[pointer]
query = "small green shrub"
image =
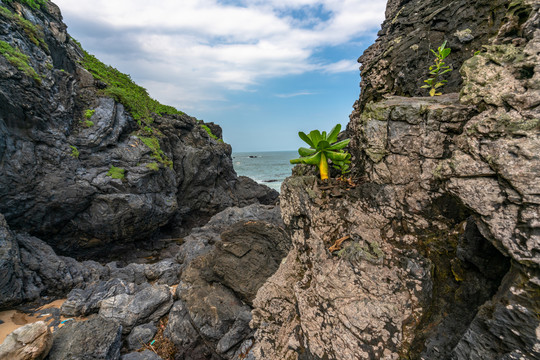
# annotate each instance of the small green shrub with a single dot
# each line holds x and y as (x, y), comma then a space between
(19, 60)
(74, 152)
(152, 143)
(207, 129)
(116, 172)
(153, 166)
(88, 123)
(89, 113)
(433, 83)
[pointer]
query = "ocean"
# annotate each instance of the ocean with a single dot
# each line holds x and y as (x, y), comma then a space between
(269, 168)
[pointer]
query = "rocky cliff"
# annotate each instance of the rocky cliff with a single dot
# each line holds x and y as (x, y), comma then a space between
(439, 254)
(87, 157)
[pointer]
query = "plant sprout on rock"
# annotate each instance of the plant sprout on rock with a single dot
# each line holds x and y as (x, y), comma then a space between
(323, 147)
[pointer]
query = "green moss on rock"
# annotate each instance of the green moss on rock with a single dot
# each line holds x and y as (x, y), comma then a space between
(19, 60)
(116, 172)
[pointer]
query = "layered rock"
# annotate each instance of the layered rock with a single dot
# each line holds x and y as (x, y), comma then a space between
(60, 137)
(439, 258)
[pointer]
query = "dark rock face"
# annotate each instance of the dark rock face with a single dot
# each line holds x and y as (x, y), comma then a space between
(226, 262)
(398, 62)
(97, 338)
(54, 181)
(441, 253)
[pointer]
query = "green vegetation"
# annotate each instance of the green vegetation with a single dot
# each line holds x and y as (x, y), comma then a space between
(74, 152)
(153, 166)
(122, 88)
(88, 123)
(433, 83)
(34, 4)
(136, 100)
(322, 148)
(89, 113)
(19, 60)
(207, 129)
(152, 143)
(116, 172)
(34, 33)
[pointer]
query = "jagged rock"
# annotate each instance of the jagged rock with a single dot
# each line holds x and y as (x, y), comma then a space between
(83, 302)
(71, 201)
(248, 254)
(140, 335)
(30, 342)
(440, 251)
(147, 305)
(225, 264)
(201, 240)
(97, 338)
(11, 281)
(145, 355)
(397, 63)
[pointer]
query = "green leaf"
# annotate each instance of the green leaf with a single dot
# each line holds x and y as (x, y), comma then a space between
(425, 87)
(310, 160)
(306, 138)
(445, 52)
(315, 137)
(332, 137)
(432, 92)
(305, 151)
(322, 145)
(445, 71)
(433, 51)
(337, 156)
(340, 145)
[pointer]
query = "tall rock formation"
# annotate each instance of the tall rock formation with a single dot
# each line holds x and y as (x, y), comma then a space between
(80, 166)
(441, 257)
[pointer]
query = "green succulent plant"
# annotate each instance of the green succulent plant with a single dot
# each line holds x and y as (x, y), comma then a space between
(323, 147)
(436, 70)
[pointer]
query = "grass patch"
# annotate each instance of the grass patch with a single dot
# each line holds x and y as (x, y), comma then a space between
(122, 88)
(116, 172)
(34, 33)
(19, 60)
(153, 166)
(207, 129)
(74, 152)
(152, 142)
(34, 4)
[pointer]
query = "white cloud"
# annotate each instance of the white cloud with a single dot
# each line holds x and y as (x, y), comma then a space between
(187, 51)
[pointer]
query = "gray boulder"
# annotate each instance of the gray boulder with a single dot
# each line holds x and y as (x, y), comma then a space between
(225, 263)
(140, 335)
(97, 338)
(81, 302)
(144, 355)
(30, 342)
(147, 305)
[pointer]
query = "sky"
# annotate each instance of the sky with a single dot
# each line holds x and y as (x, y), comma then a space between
(261, 69)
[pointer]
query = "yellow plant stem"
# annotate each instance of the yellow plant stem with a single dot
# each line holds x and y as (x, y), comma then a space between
(323, 167)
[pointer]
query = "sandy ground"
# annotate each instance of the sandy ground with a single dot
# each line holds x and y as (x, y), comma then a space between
(13, 319)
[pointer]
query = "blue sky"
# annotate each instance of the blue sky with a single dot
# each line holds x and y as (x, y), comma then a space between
(262, 69)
